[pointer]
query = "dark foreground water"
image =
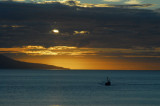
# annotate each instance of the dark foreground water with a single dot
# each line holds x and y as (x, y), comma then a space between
(79, 88)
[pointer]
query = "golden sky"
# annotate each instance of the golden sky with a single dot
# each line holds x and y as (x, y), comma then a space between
(95, 62)
(85, 34)
(88, 58)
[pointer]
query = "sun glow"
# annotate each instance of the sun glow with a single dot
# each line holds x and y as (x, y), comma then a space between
(81, 32)
(56, 31)
(93, 62)
(88, 58)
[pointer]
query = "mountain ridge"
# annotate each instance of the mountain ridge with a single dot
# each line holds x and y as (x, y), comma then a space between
(8, 63)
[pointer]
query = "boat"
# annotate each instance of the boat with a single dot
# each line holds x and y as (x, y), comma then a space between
(108, 83)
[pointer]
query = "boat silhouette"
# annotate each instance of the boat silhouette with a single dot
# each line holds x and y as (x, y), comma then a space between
(108, 83)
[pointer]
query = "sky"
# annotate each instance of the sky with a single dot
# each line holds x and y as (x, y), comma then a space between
(124, 2)
(155, 3)
(93, 34)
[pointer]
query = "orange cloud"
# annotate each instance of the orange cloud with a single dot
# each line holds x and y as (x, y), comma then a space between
(75, 51)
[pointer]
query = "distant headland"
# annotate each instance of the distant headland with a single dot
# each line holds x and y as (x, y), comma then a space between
(8, 63)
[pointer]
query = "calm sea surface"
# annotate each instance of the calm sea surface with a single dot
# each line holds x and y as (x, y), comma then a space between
(79, 88)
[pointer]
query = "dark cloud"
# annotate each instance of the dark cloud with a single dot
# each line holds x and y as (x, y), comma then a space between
(28, 11)
(107, 27)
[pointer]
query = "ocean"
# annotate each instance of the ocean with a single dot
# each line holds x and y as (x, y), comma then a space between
(79, 88)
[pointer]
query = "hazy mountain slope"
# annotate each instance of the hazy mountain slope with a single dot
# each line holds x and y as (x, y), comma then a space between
(7, 63)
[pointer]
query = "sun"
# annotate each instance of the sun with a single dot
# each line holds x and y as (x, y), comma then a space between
(55, 31)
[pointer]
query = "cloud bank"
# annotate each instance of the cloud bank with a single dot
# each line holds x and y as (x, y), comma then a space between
(79, 27)
(133, 2)
(75, 51)
(112, 0)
